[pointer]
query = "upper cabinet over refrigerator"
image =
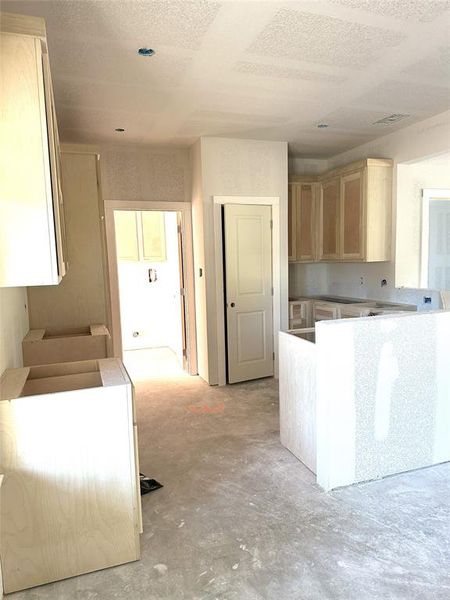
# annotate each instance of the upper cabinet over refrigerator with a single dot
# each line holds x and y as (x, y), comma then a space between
(32, 234)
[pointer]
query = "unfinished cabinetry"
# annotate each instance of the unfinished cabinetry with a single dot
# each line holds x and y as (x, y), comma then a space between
(68, 452)
(299, 314)
(352, 216)
(302, 218)
(43, 347)
(355, 217)
(32, 237)
(351, 220)
(329, 220)
(140, 235)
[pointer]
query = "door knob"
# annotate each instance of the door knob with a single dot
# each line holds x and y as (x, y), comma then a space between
(232, 305)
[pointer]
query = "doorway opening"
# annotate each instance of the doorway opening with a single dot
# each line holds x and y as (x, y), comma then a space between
(152, 300)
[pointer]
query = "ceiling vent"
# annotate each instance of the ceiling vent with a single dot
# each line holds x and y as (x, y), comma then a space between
(391, 119)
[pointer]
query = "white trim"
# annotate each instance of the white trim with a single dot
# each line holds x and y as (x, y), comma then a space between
(428, 194)
(219, 201)
(186, 224)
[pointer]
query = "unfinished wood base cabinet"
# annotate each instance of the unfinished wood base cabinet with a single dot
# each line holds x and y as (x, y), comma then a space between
(43, 346)
(32, 233)
(70, 499)
(351, 219)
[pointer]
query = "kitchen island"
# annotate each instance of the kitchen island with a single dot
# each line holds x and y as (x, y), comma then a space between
(370, 398)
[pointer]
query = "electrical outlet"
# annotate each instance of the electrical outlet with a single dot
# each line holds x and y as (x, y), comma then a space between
(361, 281)
(383, 282)
(427, 299)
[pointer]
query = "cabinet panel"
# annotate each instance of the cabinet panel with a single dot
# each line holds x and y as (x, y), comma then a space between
(352, 216)
(306, 230)
(31, 217)
(292, 222)
(329, 220)
(153, 236)
(126, 235)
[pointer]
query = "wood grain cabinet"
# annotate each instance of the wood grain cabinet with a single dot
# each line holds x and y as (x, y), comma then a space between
(32, 235)
(345, 215)
(302, 215)
(68, 450)
(329, 220)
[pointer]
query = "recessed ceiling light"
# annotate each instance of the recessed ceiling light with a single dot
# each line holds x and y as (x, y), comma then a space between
(119, 129)
(146, 52)
(322, 125)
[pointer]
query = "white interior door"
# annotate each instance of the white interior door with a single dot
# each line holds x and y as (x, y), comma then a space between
(249, 302)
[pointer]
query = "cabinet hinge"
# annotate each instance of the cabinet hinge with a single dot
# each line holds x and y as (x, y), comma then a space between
(182, 292)
(271, 224)
(273, 355)
(272, 291)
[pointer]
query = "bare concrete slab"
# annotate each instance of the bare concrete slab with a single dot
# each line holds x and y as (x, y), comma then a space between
(240, 518)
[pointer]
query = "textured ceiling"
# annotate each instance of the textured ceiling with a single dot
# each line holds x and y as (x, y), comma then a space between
(251, 69)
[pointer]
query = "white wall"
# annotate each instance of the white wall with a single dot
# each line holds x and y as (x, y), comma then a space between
(234, 167)
(139, 172)
(383, 396)
(13, 326)
(152, 310)
(425, 139)
(411, 180)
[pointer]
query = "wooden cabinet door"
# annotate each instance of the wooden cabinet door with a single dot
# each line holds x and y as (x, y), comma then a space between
(55, 169)
(352, 241)
(292, 222)
(153, 236)
(306, 223)
(127, 246)
(329, 220)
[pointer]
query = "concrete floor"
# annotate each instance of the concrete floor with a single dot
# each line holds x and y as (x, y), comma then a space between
(239, 518)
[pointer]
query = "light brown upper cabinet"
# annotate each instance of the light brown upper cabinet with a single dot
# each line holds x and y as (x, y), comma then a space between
(352, 219)
(32, 237)
(302, 213)
(351, 216)
(329, 220)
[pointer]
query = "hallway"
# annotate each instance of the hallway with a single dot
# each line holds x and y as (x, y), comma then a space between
(239, 518)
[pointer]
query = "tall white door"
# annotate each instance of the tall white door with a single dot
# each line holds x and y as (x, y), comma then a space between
(248, 280)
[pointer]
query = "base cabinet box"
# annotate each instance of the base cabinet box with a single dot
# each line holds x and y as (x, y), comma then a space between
(43, 347)
(70, 499)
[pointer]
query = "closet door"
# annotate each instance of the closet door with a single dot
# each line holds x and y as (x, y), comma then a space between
(352, 233)
(329, 220)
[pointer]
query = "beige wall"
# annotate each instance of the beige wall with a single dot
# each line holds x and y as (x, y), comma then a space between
(80, 297)
(151, 173)
(233, 167)
(13, 326)
(199, 261)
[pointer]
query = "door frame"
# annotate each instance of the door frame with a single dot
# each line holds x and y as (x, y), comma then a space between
(274, 203)
(184, 209)
(428, 194)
